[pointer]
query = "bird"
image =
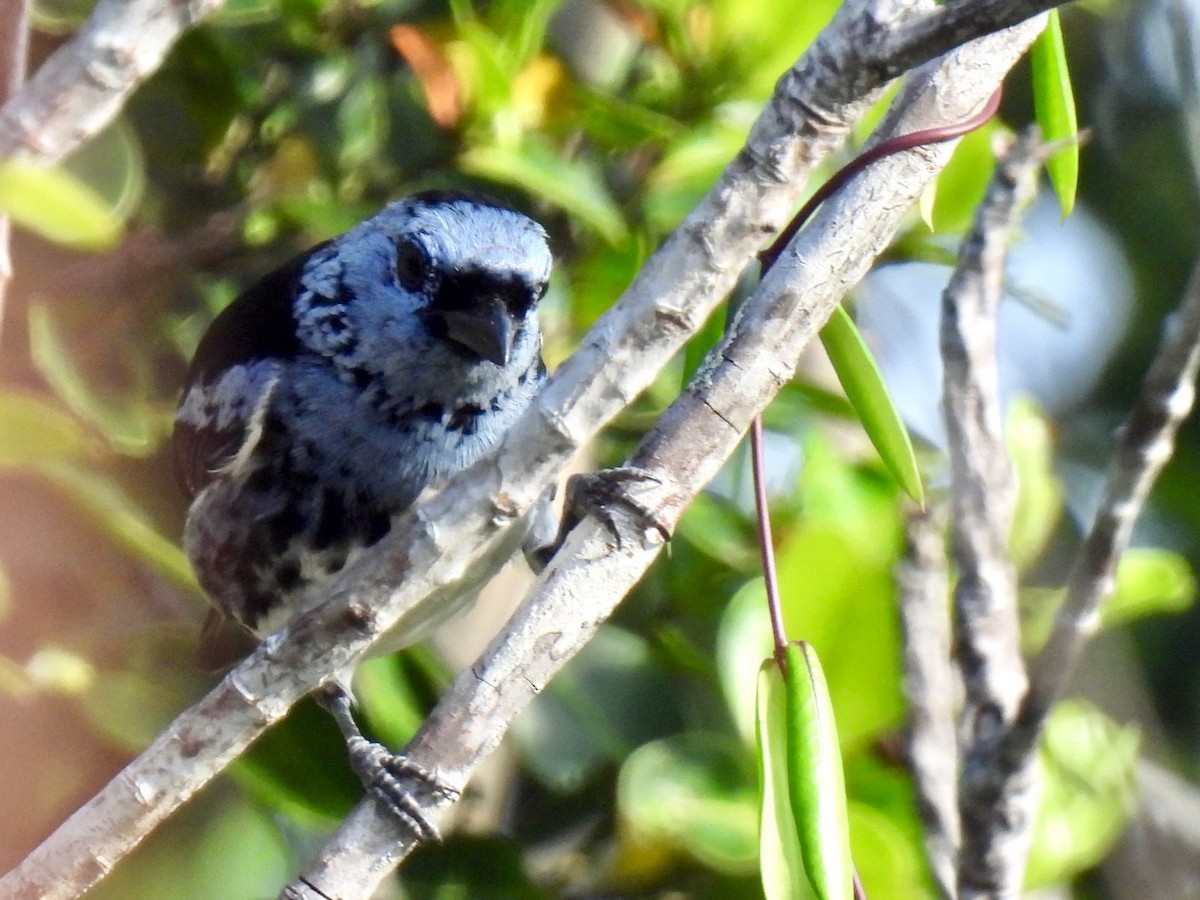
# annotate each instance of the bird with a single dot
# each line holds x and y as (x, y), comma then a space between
(336, 391)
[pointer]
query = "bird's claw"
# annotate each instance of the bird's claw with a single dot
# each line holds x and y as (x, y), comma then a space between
(597, 494)
(395, 781)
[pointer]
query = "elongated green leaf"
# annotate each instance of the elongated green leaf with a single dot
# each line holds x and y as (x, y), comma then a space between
(860, 378)
(693, 791)
(121, 519)
(571, 185)
(132, 425)
(55, 204)
(781, 864)
(1089, 789)
(815, 780)
(33, 431)
(1054, 106)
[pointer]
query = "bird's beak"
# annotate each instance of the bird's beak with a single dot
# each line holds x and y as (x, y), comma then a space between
(488, 330)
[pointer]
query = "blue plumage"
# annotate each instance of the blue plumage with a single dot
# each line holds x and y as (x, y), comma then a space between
(326, 398)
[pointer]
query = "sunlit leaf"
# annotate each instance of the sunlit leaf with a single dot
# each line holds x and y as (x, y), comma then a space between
(384, 693)
(33, 431)
(743, 639)
(719, 530)
(1149, 581)
(1039, 506)
(572, 185)
(693, 790)
(860, 377)
(221, 844)
(816, 783)
(60, 671)
(889, 861)
(926, 202)
(1088, 792)
(781, 862)
(1054, 106)
(56, 205)
(59, 16)
(960, 186)
(240, 13)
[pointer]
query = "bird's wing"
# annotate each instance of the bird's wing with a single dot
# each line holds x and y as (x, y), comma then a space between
(233, 373)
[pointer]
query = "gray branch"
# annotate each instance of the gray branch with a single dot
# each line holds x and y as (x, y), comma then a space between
(14, 50)
(1144, 444)
(84, 85)
(932, 688)
(593, 571)
(995, 810)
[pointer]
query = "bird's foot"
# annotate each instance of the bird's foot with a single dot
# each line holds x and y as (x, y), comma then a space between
(600, 495)
(392, 779)
(397, 782)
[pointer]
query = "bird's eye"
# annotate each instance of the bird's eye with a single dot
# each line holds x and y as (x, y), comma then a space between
(411, 265)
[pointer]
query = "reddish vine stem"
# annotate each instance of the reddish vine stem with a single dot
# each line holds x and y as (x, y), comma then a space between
(767, 259)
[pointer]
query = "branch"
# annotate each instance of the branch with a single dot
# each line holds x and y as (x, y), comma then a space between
(14, 51)
(676, 459)
(84, 85)
(1144, 444)
(995, 808)
(932, 688)
(429, 551)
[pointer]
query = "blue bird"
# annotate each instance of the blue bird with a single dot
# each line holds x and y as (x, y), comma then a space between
(329, 396)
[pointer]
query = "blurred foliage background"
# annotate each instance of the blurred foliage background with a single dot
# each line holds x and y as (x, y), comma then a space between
(279, 123)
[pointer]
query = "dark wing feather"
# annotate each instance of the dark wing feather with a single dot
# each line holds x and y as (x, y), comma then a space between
(258, 325)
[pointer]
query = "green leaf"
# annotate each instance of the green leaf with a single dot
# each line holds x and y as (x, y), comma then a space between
(222, 844)
(385, 694)
(132, 425)
(112, 165)
(781, 862)
(963, 182)
(595, 711)
(1039, 507)
(692, 791)
(121, 519)
(33, 431)
(1054, 106)
(1149, 581)
(57, 205)
(1088, 792)
(718, 530)
(574, 186)
(59, 16)
(816, 784)
(860, 378)
(299, 768)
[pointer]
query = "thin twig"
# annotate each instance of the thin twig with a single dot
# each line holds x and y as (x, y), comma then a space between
(766, 543)
(14, 52)
(591, 572)
(995, 814)
(932, 687)
(1144, 444)
(83, 86)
